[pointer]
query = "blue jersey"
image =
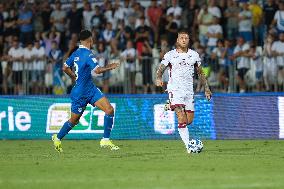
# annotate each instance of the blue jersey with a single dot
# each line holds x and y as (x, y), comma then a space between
(84, 62)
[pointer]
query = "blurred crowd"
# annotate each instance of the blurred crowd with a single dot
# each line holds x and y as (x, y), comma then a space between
(241, 42)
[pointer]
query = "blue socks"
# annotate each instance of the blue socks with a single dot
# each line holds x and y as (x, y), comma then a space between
(65, 129)
(108, 122)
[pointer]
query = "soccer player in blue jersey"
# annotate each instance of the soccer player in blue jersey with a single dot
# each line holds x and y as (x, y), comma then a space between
(85, 65)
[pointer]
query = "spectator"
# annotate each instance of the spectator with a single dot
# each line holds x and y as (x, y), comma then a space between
(56, 57)
(38, 37)
(123, 34)
(25, 21)
(38, 68)
(132, 15)
(142, 34)
(204, 20)
(74, 19)
(98, 20)
(245, 23)
(223, 20)
(171, 30)
(269, 10)
(146, 60)
(154, 13)
(227, 55)
(278, 19)
(108, 34)
(52, 36)
(5, 73)
(189, 17)
(88, 13)
(102, 58)
(37, 19)
(119, 11)
(108, 14)
(10, 24)
(45, 15)
(243, 64)
(231, 13)
(214, 32)
(278, 51)
(176, 11)
(129, 55)
(256, 60)
(28, 67)
(213, 9)
(16, 54)
(218, 54)
(58, 18)
(257, 22)
(270, 64)
(164, 46)
(1, 27)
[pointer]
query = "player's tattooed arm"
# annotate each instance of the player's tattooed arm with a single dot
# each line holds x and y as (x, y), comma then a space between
(160, 72)
(69, 72)
(204, 81)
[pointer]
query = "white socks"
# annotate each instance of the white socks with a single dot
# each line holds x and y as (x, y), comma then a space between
(184, 135)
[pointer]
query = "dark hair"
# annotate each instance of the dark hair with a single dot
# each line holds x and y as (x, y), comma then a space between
(183, 31)
(85, 34)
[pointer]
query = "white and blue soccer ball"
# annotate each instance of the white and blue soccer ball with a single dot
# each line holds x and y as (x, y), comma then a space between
(195, 146)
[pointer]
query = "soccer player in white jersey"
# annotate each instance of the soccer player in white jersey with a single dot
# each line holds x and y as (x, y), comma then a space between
(181, 62)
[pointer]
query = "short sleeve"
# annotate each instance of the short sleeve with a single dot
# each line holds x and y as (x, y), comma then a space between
(166, 60)
(236, 49)
(197, 60)
(246, 47)
(69, 62)
(92, 62)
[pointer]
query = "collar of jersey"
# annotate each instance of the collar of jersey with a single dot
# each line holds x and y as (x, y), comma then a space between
(82, 46)
(183, 53)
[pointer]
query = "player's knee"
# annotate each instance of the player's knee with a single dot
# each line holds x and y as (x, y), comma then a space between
(109, 110)
(182, 119)
(74, 122)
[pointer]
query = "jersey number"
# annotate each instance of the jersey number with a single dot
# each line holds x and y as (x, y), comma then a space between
(76, 69)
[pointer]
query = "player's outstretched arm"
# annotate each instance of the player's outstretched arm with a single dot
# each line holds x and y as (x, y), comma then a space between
(204, 81)
(69, 72)
(111, 66)
(160, 72)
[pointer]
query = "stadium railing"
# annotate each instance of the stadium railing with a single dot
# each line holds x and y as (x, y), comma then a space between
(54, 81)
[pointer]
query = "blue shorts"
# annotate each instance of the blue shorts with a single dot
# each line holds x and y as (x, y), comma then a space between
(78, 105)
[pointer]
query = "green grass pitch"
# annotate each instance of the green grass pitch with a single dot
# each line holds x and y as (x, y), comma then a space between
(157, 164)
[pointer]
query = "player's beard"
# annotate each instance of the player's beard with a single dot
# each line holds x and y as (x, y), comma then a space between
(183, 48)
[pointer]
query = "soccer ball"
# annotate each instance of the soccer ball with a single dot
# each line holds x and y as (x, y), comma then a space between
(195, 146)
(199, 145)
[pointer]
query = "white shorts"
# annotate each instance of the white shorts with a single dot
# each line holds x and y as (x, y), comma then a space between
(180, 98)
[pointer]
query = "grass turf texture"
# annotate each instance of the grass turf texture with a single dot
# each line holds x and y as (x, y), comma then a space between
(142, 164)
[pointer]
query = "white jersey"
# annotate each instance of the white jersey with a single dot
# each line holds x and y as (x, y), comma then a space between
(181, 69)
